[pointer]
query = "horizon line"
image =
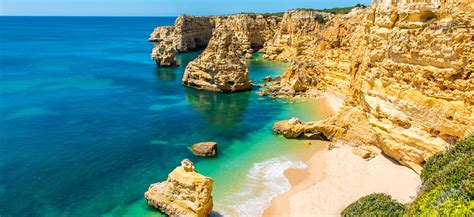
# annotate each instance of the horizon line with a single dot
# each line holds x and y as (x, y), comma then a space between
(88, 16)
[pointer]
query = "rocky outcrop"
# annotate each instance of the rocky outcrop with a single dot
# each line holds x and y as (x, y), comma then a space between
(222, 66)
(205, 149)
(188, 33)
(184, 193)
(294, 128)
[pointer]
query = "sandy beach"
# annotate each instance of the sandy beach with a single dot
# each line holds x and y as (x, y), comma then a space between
(335, 178)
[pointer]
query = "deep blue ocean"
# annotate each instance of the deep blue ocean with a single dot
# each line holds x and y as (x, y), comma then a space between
(88, 121)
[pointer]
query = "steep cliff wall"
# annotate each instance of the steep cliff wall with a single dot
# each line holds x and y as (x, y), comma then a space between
(405, 69)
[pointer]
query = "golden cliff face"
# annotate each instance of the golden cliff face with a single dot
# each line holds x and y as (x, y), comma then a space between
(294, 34)
(405, 69)
(408, 71)
(222, 67)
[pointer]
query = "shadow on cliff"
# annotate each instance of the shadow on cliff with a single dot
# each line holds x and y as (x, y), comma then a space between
(219, 109)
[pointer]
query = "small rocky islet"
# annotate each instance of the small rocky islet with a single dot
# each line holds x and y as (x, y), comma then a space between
(404, 70)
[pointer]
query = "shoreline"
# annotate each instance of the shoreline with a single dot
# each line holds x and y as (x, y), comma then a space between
(329, 184)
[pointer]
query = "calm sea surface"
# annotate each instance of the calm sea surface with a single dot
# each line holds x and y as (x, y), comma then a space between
(88, 122)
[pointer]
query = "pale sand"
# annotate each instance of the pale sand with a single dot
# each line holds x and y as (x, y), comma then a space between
(336, 178)
(328, 104)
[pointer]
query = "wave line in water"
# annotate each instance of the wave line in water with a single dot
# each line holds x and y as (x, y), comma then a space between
(265, 180)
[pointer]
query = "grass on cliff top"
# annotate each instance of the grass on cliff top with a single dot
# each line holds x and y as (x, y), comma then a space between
(344, 10)
(447, 188)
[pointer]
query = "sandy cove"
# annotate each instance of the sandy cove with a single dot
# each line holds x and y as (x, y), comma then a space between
(336, 178)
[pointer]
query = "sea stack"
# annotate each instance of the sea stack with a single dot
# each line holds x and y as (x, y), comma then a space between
(184, 193)
(221, 67)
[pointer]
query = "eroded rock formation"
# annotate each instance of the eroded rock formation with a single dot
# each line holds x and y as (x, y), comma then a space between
(188, 33)
(405, 69)
(184, 193)
(222, 66)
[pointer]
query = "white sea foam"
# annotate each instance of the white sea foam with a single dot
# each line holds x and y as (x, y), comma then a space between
(264, 181)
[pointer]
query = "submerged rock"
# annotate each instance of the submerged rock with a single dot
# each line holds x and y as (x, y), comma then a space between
(184, 193)
(205, 149)
(267, 79)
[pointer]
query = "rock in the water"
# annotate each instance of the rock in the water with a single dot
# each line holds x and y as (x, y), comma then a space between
(205, 149)
(221, 67)
(268, 79)
(184, 193)
(188, 33)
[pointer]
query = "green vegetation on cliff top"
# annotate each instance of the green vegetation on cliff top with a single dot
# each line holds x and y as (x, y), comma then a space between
(447, 189)
(344, 10)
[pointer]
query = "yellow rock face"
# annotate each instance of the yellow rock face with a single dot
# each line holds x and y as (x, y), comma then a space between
(222, 66)
(184, 193)
(404, 69)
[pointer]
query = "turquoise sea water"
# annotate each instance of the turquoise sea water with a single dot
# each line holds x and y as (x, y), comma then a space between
(88, 122)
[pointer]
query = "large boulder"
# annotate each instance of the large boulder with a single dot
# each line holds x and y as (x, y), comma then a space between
(205, 149)
(184, 193)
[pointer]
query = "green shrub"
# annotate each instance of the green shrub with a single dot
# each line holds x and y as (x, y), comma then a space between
(448, 183)
(375, 205)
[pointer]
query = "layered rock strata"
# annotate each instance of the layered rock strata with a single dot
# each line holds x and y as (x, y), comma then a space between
(222, 66)
(188, 33)
(184, 193)
(405, 69)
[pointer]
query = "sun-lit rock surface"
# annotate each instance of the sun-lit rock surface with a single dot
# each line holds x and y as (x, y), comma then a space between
(184, 193)
(205, 149)
(405, 69)
(406, 74)
(222, 66)
(188, 33)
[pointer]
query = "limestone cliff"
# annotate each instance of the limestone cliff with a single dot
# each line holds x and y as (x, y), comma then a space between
(405, 69)
(185, 193)
(188, 33)
(222, 67)
(296, 31)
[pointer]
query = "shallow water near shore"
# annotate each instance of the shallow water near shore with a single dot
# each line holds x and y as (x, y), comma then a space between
(89, 122)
